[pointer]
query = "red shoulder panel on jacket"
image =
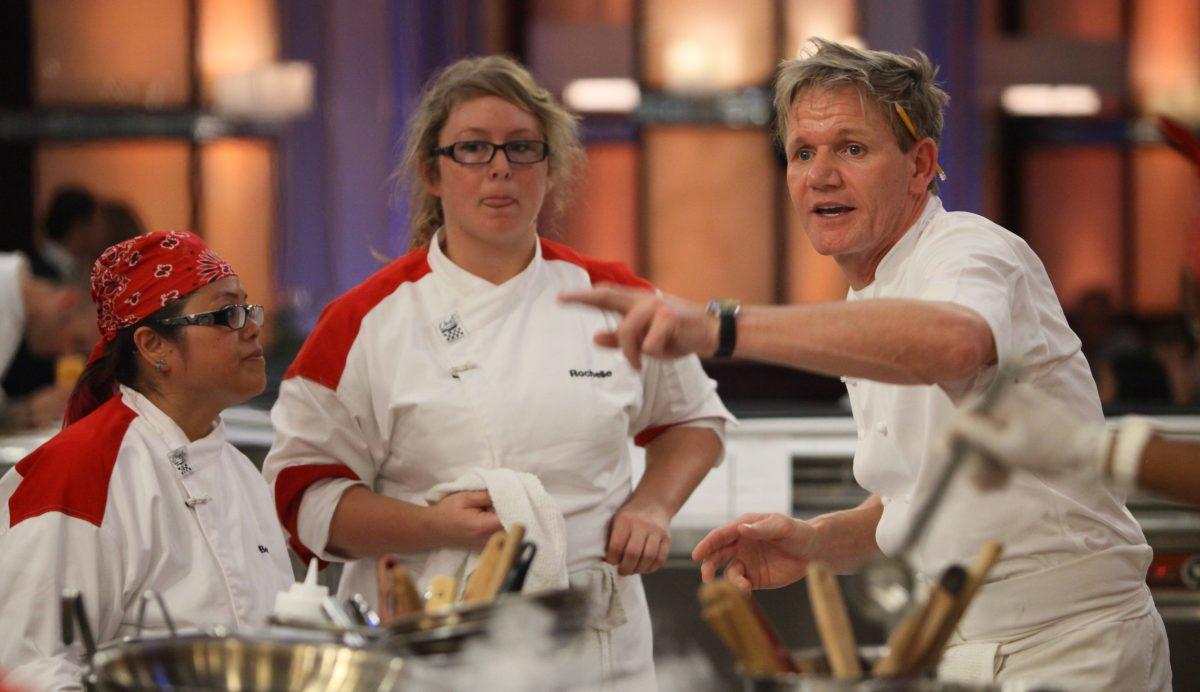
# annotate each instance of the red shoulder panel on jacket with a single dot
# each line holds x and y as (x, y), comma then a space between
(322, 359)
(289, 491)
(600, 271)
(70, 472)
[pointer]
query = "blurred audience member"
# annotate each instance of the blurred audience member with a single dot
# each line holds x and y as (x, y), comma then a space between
(72, 240)
(120, 222)
(1100, 326)
(54, 320)
(1172, 344)
(72, 237)
(1132, 376)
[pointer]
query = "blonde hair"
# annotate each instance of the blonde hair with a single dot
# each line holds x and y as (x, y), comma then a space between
(887, 79)
(494, 75)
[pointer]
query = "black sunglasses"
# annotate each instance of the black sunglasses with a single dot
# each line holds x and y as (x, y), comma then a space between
(232, 316)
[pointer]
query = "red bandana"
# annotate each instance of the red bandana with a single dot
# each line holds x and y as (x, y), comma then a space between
(137, 277)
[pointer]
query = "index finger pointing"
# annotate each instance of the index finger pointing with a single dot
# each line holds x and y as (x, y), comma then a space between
(603, 296)
(716, 539)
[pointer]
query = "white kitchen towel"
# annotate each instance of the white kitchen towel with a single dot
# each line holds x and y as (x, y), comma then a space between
(518, 498)
(969, 662)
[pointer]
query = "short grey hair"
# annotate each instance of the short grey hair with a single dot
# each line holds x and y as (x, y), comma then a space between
(887, 79)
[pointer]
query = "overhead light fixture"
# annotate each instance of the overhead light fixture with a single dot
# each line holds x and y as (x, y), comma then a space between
(1051, 100)
(275, 92)
(602, 95)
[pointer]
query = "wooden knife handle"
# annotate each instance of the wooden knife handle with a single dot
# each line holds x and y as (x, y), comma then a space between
(976, 576)
(504, 561)
(398, 594)
(902, 644)
(833, 622)
(940, 618)
(485, 566)
(441, 593)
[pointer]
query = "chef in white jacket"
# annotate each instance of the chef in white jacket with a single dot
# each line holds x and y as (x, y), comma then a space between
(459, 357)
(141, 491)
(936, 300)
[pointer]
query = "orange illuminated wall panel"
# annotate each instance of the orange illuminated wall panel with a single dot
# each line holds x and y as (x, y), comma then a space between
(836, 20)
(111, 53)
(603, 219)
(708, 45)
(710, 211)
(237, 208)
(149, 175)
(235, 36)
(1164, 57)
(1165, 208)
(1098, 20)
(1072, 217)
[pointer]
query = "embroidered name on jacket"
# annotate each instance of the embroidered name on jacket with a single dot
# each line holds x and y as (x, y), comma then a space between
(591, 373)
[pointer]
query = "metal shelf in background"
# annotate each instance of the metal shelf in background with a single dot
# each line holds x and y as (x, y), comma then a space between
(749, 107)
(90, 124)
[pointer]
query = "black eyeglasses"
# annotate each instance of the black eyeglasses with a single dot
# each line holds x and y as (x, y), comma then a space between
(232, 316)
(476, 153)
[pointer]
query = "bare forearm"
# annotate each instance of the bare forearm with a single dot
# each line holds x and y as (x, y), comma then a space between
(846, 539)
(1172, 469)
(899, 341)
(367, 524)
(676, 462)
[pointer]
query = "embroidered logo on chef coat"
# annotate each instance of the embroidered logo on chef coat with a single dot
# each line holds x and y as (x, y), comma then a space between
(178, 459)
(451, 330)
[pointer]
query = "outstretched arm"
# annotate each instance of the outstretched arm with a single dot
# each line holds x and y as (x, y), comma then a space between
(899, 341)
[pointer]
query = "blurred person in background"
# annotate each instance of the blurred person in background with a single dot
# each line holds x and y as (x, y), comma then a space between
(1173, 345)
(936, 300)
(1133, 377)
(141, 490)
(49, 320)
(72, 237)
(1101, 327)
(120, 222)
(457, 360)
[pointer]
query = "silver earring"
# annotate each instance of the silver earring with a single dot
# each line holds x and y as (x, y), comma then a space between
(160, 364)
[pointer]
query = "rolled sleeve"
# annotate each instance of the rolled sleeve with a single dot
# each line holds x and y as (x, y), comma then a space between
(320, 451)
(677, 392)
(979, 272)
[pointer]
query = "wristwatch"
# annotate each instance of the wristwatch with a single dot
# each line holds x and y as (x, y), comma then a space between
(725, 311)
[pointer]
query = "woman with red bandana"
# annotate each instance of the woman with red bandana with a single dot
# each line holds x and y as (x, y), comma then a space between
(141, 491)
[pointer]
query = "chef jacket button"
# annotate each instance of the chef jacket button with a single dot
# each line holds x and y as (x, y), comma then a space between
(843, 379)
(881, 428)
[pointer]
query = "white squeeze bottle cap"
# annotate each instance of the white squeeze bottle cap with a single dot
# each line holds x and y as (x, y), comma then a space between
(302, 602)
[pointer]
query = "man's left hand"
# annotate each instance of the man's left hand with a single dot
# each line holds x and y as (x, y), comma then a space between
(640, 538)
(652, 324)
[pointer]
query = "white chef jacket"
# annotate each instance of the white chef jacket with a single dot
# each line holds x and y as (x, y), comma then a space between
(1071, 549)
(12, 310)
(102, 508)
(426, 371)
